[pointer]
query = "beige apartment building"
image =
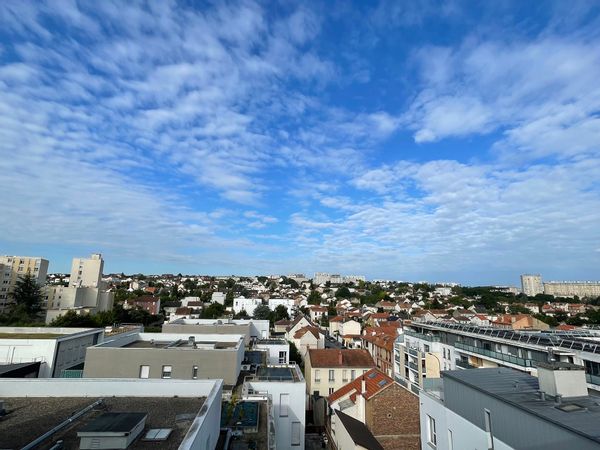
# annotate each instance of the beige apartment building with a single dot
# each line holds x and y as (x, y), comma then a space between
(14, 267)
(327, 370)
(572, 288)
(86, 292)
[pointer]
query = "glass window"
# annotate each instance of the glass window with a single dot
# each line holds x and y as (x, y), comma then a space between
(344, 375)
(331, 375)
(295, 433)
(284, 401)
(431, 435)
(166, 371)
(317, 375)
(144, 371)
(353, 374)
(195, 372)
(331, 390)
(282, 357)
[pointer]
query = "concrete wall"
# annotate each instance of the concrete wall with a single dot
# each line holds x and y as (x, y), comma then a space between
(110, 361)
(296, 410)
(54, 354)
(243, 329)
(343, 441)
(273, 352)
(258, 328)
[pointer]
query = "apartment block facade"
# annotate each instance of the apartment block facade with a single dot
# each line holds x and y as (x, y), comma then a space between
(14, 267)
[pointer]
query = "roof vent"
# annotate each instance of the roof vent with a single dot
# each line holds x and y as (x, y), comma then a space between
(116, 430)
(157, 434)
(561, 378)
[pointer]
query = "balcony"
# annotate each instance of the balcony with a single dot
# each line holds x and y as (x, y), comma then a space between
(413, 352)
(413, 366)
(423, 336)
(496, 355)
(464, 364)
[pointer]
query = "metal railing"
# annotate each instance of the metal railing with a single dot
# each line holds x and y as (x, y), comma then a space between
(496, 355)
(592, 379)
(413, 351)
(71, 373)
(464, 364)
(425, 337)
(563, 339)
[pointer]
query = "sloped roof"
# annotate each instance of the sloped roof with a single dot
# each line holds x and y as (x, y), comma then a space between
(330, 357)
(302, 331)
(375, 381)
(359, 432)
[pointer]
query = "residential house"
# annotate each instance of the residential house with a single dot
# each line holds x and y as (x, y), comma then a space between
(316, 313)
(327, 370)
(307, 338)
(349, 333)
(146, 302)
(519, 322)
(389, 411)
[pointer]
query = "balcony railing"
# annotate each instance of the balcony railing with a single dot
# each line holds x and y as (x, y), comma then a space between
(426, 337)
(495, 355)
(413, 351)
(464, 365)
(413, 366)
(71, 374)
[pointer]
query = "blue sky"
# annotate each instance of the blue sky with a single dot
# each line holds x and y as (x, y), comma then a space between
(440, 141)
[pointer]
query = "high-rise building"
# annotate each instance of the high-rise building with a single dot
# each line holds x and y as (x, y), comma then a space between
(532, 285)
(86, 292)
(14, 267)
(87, 272)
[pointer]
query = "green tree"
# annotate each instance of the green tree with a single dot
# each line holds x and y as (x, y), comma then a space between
(295, 354)
(314, 298)
(229, 298)
(213, 311)
(262, 312)
(27, 295)
(343, 292)
(280, 313)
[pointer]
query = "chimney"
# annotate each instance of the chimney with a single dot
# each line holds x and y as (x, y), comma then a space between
(562, 380)
(340, 359)
(363, 385)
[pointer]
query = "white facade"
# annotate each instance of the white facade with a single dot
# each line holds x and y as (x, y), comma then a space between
(289, 304)
(56, 348)
(531, 285)
(572, 288)
(449, 430)
(278, 350)
(246, 304)
(218, 297)
(289, 406)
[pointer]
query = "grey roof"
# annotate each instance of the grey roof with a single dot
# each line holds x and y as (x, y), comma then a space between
(359, 432)
(6, 368)
(31, 417)
(522, 391)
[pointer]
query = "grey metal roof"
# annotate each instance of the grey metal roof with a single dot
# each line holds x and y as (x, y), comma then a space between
(522, 391)
(114, 422)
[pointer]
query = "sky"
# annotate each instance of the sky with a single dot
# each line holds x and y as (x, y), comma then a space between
(439, 141)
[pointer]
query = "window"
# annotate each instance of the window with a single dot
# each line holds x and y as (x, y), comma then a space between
(450, 440)
(295, 433)
(331, 390)
(353, 374)
(166, 371)
(317, 376)
(195, 372)
(284, 401)
(331, 375)
(316, 393)
(488, 428)
(144, 371)
(344, 375)
(282, 357)
(431, 436)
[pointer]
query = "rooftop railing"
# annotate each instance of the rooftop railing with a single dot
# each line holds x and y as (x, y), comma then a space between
(504, 357)
(426, 337)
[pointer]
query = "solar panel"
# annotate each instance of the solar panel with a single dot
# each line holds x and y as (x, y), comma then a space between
(382, 383)
(372, 375)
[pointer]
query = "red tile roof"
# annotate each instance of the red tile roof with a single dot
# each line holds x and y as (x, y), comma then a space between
(333, 357)
(375, 381)
(302, 331)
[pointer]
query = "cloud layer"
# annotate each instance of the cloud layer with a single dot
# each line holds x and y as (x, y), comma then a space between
(251, 138)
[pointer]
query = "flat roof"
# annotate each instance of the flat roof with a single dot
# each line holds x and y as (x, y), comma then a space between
(30, 335)
(180, 344)
(283, 372)
(43, 332)
(28, 418)
(500, 383)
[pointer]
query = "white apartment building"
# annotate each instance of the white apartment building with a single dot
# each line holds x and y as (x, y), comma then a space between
(277, 350)
(288, 303)
(285, 388)
(14, 267)
(218, 297)
(57, 349)
(429, 348)
(322, 278)
(246, 304)
(531, 285)
(581, 289)
(504, 409)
